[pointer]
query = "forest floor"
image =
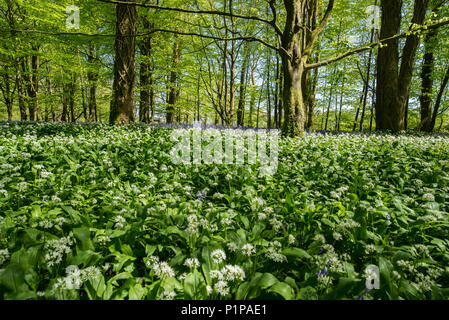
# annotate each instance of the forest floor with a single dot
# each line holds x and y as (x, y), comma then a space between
(102, 212)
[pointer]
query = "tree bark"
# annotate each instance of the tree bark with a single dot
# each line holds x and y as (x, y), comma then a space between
(439, 98)
(30, 66)
(122, 110)
(393, 84)
(173, 85)
(242, 90)
(20, 93)
(296, 50)
(145, 46)
(92, 77)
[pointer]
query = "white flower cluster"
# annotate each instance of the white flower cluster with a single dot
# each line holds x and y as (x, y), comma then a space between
(119, 222)
(232, 246)
(218, 256)
(194, 223)
(406, 266)
(161, 269)
(103, 240)
(276, 224)
(248, 249)
(192, 263)
(75, 277)
(257, 203)
(274, 252)
(4, 256)
(56, 249)
(324, 282)
(167, 295)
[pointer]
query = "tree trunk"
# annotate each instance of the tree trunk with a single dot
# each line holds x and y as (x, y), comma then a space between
(8, 95)
(31, 76)
(20, 94)
(122, 110)
(294, 108)
(242, 90)
(297, 44)
(71, 97)
(173, 82)
(252, 103)
(438, 100)
(65, 114)
(393, 84)
(145, 72)
(268, 91)
(92, 76)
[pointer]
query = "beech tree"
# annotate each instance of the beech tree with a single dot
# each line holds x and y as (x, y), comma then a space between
(122, 105)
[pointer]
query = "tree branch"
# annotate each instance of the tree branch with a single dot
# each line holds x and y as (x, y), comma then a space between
(242, 38)
(211, 12)
(375, 44)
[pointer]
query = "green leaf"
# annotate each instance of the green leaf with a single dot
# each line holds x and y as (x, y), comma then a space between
(296, 253)
(193, 283)
(283, 289)
(83, 235)
(137, 292)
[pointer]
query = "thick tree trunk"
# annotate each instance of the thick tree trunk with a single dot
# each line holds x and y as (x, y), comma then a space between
(122, 105)
(297, 44)
(393, 84)
(294, 107)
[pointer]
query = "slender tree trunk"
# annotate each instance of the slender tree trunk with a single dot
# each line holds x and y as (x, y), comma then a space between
(92, 76)
(439, 98)
(276, 95)
(242, 90)
(280, 100)
(31, 76)
(268, 91)
(20, 94)
(331, 92)
(122, 105)
(145, 72)
(8, 95)
(173, 82)
(252, 103)
(71, 97)
(65, 94)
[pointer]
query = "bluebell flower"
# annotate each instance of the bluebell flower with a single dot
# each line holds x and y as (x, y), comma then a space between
(322, 272)
(201, 196)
